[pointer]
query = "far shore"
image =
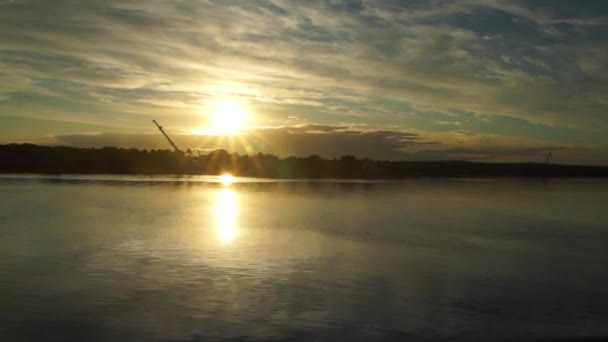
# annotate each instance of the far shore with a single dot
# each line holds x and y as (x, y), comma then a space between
(53, 160)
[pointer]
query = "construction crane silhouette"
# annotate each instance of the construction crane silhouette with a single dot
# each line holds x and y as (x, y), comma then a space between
(160, 128)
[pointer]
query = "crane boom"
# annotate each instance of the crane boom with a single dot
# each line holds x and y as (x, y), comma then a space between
(160, 128)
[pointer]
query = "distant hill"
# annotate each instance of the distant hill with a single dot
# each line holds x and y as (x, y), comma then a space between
(27, 158)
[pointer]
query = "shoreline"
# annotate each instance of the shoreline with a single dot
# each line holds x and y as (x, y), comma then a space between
(48, 160)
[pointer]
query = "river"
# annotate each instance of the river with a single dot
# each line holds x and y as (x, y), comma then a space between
(125, 258)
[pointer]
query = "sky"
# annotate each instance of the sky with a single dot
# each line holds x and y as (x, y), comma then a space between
(481, 80)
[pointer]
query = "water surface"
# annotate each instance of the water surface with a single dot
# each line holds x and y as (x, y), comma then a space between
(109, 258)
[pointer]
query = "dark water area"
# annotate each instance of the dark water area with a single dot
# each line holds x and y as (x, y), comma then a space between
(110, 258)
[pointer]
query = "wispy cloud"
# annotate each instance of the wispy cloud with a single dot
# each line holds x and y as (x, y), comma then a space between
(386, 63)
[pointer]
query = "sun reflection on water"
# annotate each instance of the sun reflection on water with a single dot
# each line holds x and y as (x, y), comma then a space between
(226, 179)
(226, 212)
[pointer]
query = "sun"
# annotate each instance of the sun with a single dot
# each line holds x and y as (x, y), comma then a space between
(227, 117)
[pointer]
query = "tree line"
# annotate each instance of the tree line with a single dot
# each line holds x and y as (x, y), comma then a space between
(28, 158)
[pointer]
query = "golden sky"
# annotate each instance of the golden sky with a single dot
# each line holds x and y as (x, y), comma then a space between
(426, 79)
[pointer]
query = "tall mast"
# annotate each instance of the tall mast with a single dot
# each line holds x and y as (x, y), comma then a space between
(160, 128)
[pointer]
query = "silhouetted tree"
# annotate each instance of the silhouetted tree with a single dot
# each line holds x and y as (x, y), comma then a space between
(27, 158)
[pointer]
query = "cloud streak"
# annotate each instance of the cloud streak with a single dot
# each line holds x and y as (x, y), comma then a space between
(386, 63)
(336, 141)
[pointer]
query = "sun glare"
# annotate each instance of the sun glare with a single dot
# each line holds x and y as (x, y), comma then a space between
(227, 117)
(226, 179)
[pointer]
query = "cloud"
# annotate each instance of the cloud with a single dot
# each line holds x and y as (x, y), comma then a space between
(335, 141)
(327, 141)
(326, 61)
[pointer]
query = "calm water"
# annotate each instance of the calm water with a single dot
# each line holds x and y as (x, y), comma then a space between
(104, 258)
